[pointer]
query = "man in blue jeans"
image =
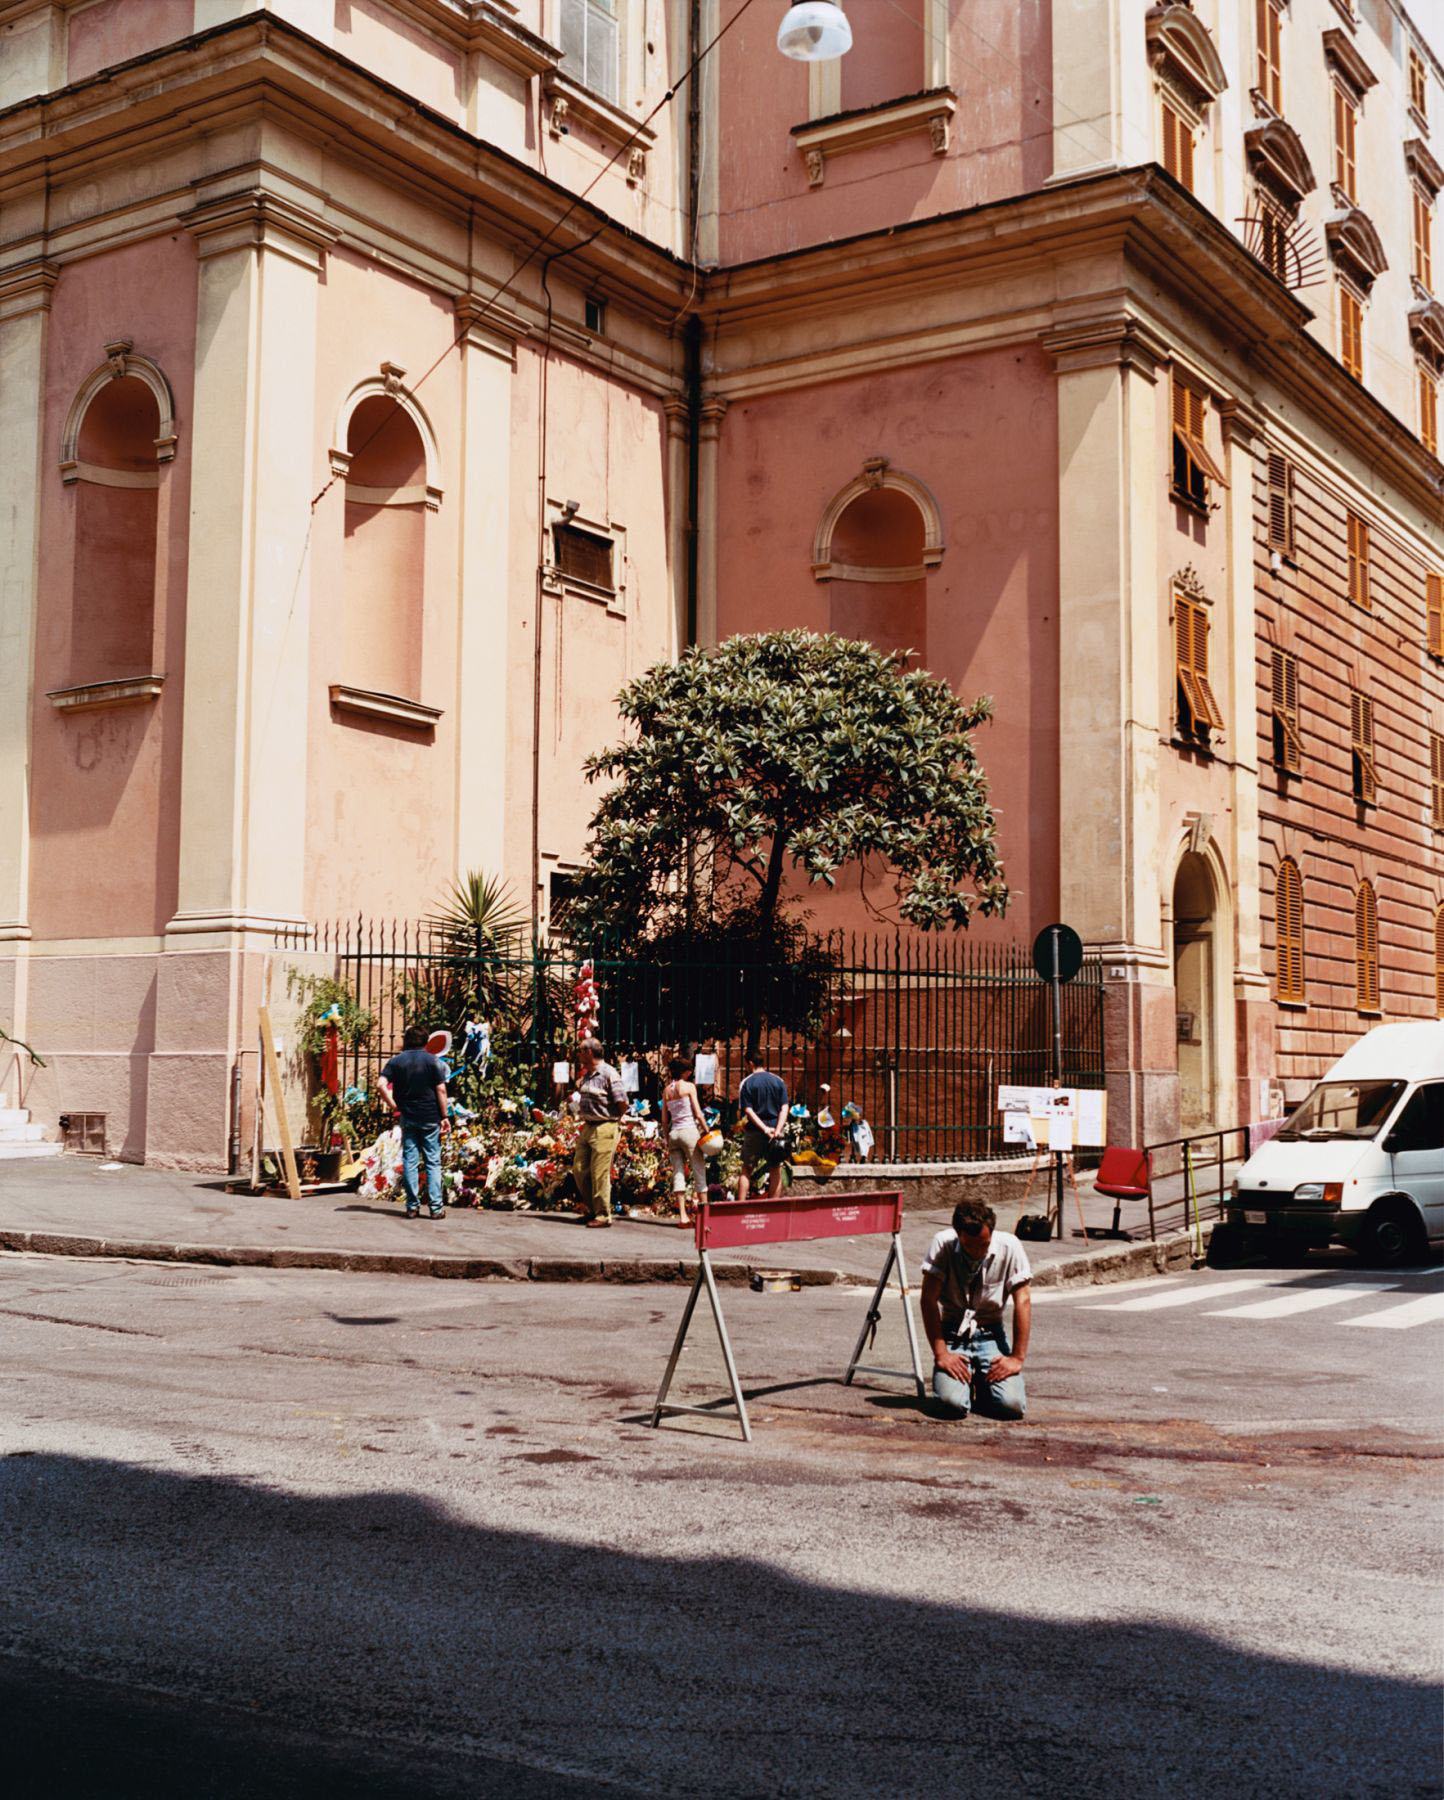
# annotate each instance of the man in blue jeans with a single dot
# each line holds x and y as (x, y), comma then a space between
(969, 1275)
(413, 1084)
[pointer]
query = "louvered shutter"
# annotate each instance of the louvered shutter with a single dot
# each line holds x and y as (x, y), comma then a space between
(1361, 732)
(1434, 602)
(1436, 780)
(1286, 711)
(1289, 922)
(1366, 949)
(1358, 561)
(1212, 712)
(1439, 962)
(1281, 503)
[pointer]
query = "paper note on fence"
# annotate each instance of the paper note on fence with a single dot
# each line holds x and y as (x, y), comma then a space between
(704, 1071)
(1060, 1131)
(1090, 1117)
(561, 1072)
(631, 1078)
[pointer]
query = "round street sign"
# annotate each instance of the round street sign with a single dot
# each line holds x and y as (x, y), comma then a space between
(1070, 952)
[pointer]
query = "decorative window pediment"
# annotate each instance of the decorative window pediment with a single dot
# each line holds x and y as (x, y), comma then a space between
(1277, 154)
(1426, 328)
(1422, 166)
(1356, 246)
(1183, 54)
(1347, 64)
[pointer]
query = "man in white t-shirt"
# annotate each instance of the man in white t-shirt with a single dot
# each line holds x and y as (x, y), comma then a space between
(969, 1275)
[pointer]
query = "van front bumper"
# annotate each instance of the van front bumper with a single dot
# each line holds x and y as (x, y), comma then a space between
(1305, 1225)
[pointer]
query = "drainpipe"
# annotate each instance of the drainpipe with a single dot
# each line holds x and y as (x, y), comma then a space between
(692, 329)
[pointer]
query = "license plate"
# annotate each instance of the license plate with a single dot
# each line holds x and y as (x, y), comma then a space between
(1255, 1218)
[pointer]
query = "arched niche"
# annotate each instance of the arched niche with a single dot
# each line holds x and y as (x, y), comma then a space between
(875, 545)
(121, 364)
(119, 432)
(1201, 924)
(389, 497)
(387, 408)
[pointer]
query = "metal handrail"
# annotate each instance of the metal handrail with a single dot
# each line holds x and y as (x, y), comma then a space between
(1190, 1166)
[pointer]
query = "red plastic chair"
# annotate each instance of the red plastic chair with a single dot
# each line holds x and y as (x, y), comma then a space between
(1124, 1175)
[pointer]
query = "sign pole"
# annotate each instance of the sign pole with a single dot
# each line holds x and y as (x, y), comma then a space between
(1055, 933)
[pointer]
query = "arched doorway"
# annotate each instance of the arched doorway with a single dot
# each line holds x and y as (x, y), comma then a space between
(1193, 987)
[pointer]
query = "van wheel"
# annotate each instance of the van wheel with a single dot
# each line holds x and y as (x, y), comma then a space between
(1395, 1234)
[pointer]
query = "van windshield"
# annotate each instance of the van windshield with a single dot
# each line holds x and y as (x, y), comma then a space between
(1344, 1109)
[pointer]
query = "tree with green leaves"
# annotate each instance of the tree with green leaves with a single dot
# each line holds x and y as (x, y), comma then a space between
(789, 754)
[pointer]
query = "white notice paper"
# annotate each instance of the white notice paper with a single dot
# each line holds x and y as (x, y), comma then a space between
(1060, 1131)
(631, 1081)
(561, 1072)
(704, 1071)
(1018, 1129)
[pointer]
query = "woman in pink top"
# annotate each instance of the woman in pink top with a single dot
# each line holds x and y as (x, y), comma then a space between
(682, 1125)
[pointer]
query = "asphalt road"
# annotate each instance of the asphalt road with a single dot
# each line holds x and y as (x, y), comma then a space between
(292, 1533)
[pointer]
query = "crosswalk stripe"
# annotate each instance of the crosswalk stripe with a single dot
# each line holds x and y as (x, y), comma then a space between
(1188, 1296)
(1112, 1287)
(1302, 1300)
(1400, 1318)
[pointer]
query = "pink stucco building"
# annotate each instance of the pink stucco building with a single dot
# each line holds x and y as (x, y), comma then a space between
(382, 382)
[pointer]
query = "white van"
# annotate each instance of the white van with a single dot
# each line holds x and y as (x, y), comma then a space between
(1360, 1162)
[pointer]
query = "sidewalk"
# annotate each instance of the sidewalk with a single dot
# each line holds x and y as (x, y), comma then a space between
(72, 1206)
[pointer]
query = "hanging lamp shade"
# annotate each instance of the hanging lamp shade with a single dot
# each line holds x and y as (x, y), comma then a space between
(815, 31)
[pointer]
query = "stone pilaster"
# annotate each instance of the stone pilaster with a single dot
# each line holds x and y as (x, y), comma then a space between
(714, 408)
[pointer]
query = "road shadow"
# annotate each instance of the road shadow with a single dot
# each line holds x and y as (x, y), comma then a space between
(247, 1613)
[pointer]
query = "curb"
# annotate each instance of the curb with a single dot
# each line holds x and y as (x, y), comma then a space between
(1094, 1268)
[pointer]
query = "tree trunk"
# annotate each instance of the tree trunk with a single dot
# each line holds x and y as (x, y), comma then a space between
(766, 913)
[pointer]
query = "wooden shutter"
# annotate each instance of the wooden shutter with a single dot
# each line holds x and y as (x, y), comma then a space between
(1423, 244)
(1439, 962)
(584, 556)
(1358, 561)
(1351, 334)
(1428, 412)
(1418, 83)
(1345, 121)
(1361, 735)
(1281, 504)
(1177, 146)
(1289, 923)
(1288, 747)
(1434, 605)
(1436, 780)
(1366, 949)
(1190, 644)
(1270, 63)
(1190, 410)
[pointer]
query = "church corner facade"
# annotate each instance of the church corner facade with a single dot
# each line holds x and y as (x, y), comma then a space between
(382, 386)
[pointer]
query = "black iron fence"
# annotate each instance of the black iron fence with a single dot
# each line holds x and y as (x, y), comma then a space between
(918, 1033)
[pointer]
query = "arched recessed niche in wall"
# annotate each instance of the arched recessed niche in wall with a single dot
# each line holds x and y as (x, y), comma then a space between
(875, 546)
(385, 451)
(118, 437)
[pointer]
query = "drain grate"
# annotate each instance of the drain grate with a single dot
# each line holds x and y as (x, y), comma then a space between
(179, 1281)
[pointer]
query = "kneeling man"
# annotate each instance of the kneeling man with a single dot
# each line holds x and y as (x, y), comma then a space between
(969, 1275)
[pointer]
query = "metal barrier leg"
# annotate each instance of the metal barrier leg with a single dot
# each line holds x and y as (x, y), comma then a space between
(704, 1279)
(874, 1313)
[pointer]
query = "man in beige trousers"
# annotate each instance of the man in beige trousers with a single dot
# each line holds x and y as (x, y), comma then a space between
(600, 1101)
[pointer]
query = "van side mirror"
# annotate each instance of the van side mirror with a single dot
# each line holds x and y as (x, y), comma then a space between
(1391, 1144)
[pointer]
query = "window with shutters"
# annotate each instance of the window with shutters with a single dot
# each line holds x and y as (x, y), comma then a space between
(583, 556)
(1428, 412)
(1269, 26)
(1198, 709)
(1351, 332)
(1281, 504)
(1288, 748)
(1289, 924)
(1346, 128)
(1423, 240)
(1358, 536)
(1361, 743)
(1436, 781)
(1274, 228)
(1194, 467)
(1418, 86)
(590, 42)
(1177, 146)
(1366, 949)
(1434, 611)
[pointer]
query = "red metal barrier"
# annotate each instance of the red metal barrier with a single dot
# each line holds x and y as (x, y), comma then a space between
(733, 1224)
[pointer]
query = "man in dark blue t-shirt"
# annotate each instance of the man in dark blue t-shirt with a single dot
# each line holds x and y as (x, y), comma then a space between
(763, 1099)
(413, 1084)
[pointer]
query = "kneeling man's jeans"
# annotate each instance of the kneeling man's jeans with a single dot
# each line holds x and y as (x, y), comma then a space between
(993, 1399)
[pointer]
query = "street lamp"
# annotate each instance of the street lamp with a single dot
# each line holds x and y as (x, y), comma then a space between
(815, 31)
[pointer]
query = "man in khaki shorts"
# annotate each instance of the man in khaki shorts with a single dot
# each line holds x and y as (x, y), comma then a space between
(600, 1101)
